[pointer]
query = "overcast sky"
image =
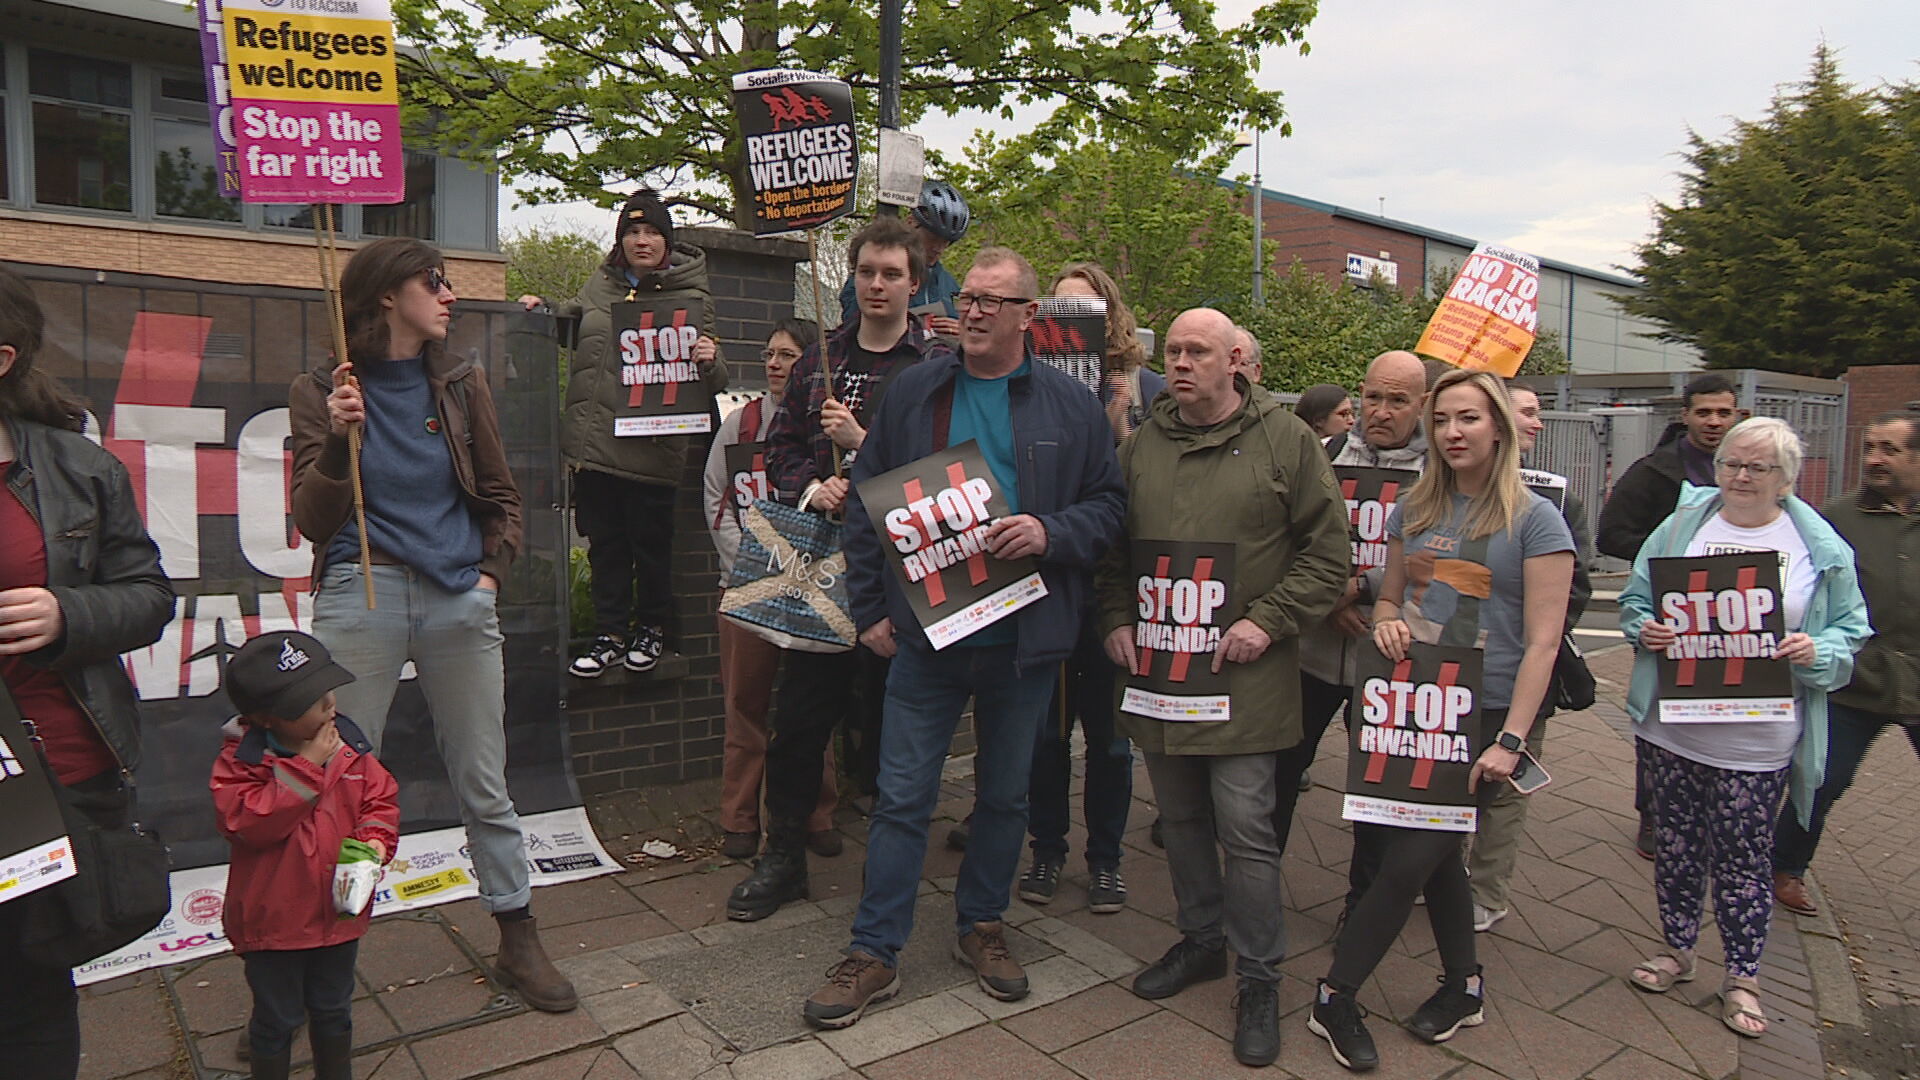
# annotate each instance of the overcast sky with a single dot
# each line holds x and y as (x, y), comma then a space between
(1552, 127)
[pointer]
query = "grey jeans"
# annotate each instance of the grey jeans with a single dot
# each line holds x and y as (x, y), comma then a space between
(1230, 798)
(455, 644)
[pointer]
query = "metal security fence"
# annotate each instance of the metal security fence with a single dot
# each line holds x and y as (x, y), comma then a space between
(1574, 444)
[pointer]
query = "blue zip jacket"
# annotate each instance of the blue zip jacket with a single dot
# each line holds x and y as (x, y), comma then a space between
(1069, 479)
(1836, 620)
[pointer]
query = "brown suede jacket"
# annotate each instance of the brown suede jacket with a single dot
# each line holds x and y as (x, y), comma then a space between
(323, 494)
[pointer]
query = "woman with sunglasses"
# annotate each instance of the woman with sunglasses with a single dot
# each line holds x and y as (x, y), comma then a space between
(1716, 787)
(443, 525)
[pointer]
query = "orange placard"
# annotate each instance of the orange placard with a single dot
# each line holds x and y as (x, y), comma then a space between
(1490, 314)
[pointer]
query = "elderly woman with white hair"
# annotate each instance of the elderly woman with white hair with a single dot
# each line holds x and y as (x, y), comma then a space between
(1716, 786)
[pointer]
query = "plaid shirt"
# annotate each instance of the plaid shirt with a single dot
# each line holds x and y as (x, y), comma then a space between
(798, 450)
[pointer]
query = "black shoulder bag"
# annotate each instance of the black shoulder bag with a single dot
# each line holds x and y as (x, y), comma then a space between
(119, 889)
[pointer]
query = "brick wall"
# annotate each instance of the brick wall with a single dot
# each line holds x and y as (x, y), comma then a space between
(1321, 242)
(205, 254)
(1871, 391)
(666, 726)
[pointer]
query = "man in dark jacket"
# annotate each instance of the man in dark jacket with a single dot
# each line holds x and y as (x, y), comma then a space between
(1647, 494)
(1050, 450)
(1221, 461)
(1882, 522)
(816, 432)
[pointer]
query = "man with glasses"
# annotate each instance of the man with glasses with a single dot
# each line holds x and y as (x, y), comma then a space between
(1646, 495)
(1882, 522)
(1050, 449)
(816, 434)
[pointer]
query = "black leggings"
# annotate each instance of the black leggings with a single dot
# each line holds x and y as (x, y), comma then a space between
(1408, 862)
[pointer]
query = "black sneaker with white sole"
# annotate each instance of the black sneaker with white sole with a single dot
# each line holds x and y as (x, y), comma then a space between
(1340, 1020)
(1454, 1006)
(644, 650)
(1106, 890)
(600, 657)
(1041, 881)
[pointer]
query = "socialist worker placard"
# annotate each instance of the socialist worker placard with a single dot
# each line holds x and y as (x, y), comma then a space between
(1183, 602)
(1070, 333)
(1728, 617)
(932, 516)
(802, 158)
(1413, 736)
(662, 390)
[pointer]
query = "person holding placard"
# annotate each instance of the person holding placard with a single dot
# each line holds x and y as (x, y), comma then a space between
(1236, 539)
(80, 583)
(736, 475)
(1086, 684)
(624, 485)
(1474, 559)
(1715, 786)
(1048, 449)
(443, 527)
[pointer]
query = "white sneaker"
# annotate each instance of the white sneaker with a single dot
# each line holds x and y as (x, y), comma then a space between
(1485, 917)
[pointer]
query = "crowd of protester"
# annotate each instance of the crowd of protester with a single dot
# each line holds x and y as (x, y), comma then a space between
(1198, 450)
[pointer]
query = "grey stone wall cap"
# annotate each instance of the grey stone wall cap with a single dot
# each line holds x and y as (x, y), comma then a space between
(713, 239)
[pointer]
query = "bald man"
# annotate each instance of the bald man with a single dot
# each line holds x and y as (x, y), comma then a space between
(1250, 362)
(1387, 436)
(1217, 462)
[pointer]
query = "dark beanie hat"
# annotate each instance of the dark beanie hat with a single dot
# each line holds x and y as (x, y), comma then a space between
(645, 206)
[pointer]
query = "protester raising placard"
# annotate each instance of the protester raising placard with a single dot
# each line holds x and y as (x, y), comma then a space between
(932, 516)
(1488, 319)
(667, 391)
(1727, 618)
(802, 159)
(1183, 602)
(315, 111)
(1413, 737)
(1370, 495)
(1070, 333)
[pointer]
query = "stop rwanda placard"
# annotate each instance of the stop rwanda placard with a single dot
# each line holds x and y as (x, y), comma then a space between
(1370, 495)
(1721, 667)
(932, 516)
(664, 390)
(1413, 735)
(1183, 602)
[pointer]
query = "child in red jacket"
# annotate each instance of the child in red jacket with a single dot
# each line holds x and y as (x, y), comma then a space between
(294, 782)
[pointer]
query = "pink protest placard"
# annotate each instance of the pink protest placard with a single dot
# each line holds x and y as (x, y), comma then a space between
(316, 105)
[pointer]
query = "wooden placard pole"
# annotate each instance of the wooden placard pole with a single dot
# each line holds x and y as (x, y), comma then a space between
(820, 320)
(337, 316)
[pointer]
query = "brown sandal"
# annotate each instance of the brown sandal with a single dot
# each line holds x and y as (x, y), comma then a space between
(1655, 977)
(1732, 1012)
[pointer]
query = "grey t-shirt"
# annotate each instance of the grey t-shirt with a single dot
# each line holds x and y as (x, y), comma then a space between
(1470, 591)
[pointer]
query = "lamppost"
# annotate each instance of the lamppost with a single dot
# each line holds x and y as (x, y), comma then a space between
(1252, 138)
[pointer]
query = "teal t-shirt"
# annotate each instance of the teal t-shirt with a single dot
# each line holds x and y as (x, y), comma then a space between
(981, 413)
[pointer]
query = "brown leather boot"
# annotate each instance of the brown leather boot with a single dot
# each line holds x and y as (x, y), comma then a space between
(523, 966)
(1791, 891)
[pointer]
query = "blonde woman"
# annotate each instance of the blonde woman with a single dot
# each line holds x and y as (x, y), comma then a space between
(1129, 385)
(1473, 559)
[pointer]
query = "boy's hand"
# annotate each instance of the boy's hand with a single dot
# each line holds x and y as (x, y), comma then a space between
(321, 748)
(378, 847)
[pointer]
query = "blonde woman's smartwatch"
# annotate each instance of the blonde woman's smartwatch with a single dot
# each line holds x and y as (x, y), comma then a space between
(1510, 742)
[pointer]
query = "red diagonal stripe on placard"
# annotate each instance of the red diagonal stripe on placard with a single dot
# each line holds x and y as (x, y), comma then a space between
(936, 589)
(1377, 761)
(1683, 673)
(638, 395)
(1423, 768)
(1348, 487)
(1144, 658)
(1734, 672)
(670, 392)
(977, 562)
(1389, 492)
(1177, 671)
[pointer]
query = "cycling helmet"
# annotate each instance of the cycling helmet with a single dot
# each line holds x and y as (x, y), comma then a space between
(942, 211)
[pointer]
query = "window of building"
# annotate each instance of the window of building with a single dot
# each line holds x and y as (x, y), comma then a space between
(414, 217)
(82, 131)
(186, 177)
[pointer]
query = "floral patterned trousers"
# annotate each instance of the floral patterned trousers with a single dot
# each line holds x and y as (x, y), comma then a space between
(1718, 823)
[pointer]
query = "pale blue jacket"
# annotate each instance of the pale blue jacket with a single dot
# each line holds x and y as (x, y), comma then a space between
(1836, 620)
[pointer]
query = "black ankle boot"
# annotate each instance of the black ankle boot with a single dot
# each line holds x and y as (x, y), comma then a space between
(332, 1055)
(779, 877)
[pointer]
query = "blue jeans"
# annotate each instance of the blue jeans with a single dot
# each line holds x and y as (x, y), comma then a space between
(1850, 732)
(455, 644)
(1086, 692)
(926, 692)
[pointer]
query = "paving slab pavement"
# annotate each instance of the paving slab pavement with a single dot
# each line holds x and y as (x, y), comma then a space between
(671, 989)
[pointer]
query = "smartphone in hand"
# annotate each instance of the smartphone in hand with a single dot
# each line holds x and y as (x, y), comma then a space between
(1528, 777)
